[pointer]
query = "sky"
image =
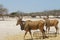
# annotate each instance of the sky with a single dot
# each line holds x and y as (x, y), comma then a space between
(30, 5)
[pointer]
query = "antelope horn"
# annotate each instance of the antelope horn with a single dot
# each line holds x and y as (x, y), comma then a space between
(18, 17)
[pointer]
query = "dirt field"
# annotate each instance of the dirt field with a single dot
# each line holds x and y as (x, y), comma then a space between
(20, 37)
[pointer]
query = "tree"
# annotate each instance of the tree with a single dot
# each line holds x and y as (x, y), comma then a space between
(3, 11)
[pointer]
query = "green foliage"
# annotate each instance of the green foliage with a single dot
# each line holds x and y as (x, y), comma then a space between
(13, 13)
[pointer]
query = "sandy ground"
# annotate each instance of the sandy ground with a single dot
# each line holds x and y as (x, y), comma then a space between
(9, 31)
(21, 37)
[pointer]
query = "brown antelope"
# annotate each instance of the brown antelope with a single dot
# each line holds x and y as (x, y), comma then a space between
(50, 23)
(31, 25)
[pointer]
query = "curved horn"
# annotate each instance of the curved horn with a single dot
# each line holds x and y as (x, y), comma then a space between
(18, 17)
(47, 17)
